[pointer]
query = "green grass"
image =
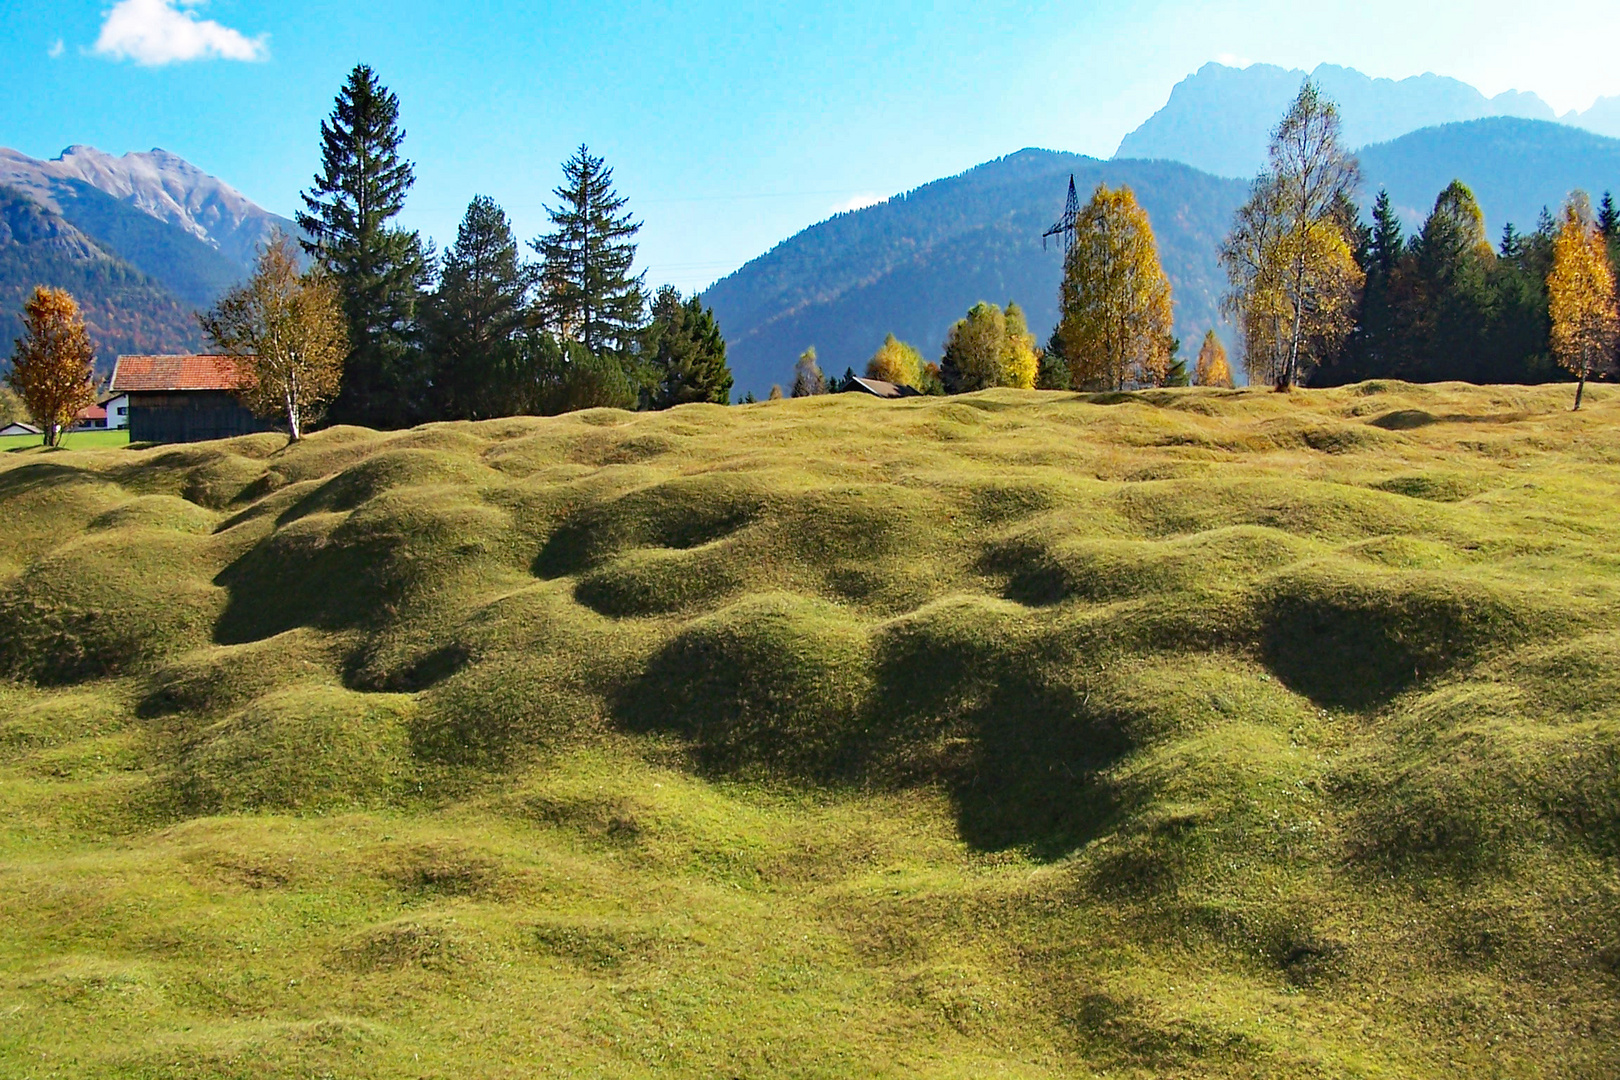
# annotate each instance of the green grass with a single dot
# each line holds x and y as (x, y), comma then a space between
(72, 440)
(1183, 733)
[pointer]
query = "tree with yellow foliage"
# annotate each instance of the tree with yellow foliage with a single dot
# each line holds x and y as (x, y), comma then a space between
(288, 330)
(1114, 303)
(1580, 295)
(990, 347)
(896, 362)
(1294, 277)
(1212, 369)
(52, 365)
(1021, 361)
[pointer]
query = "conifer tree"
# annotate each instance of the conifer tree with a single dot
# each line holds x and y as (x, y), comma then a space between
(477, 318)
(52, 365)
(588, 294)
(688, 352)
(381, 271)
(1581, 296)
(1114, 307)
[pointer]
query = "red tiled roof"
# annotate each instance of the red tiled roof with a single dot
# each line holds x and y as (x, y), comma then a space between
(92, 412)
(175, 373)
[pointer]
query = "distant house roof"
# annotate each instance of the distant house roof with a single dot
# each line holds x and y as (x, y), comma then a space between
(879, 388)
(92, 412)
(169, 373)
(17, 427)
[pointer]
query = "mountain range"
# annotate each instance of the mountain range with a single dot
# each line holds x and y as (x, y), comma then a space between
(146, 239)
(1219, 118)
(142, 241)
(914, 264)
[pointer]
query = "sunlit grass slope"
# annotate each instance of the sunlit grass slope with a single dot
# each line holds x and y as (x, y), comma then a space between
(1190, 733)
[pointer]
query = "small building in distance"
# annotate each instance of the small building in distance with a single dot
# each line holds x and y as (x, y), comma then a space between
(90, 418)
(879, 388)
(117, 406)
(18, 427)
(183, 398)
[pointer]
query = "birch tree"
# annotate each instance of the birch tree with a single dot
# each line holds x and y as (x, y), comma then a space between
(288, 333)
(1580, 294)
(1294, 278)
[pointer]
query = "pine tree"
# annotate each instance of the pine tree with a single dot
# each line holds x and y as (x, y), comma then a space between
(588, 294)
(1608, 219)
(381, 271)
(688, 352)
(477, 318)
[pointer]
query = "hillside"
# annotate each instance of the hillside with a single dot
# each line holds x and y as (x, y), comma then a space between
(1187, 733)
(125, 310)
(148, 239)
(916, 263)
(1515, 167)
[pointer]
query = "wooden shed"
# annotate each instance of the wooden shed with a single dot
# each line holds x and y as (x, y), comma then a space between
(183, 398)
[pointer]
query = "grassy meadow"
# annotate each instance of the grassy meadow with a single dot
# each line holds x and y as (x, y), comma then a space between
(1182, 733)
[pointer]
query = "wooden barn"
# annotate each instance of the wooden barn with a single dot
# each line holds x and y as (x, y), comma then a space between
(183, 398)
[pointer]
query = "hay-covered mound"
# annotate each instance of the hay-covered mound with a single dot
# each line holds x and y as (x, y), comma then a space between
(1190, 733)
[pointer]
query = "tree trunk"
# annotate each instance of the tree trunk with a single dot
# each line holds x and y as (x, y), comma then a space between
(1580, 388)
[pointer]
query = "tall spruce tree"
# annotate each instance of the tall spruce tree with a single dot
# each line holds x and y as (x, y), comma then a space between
(381, 271)
(477, 318)
(588, 294)
(688, 353)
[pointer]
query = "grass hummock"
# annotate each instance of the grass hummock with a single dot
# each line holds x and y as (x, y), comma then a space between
(1176, 733)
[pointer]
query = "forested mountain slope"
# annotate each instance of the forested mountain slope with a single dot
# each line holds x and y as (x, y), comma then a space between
(1515, 168)
(125, 310)
(914, 264)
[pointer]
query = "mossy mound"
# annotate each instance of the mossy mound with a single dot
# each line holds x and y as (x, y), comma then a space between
(1182, 732)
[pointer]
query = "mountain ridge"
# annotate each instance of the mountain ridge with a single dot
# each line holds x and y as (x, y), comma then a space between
(1219, 118)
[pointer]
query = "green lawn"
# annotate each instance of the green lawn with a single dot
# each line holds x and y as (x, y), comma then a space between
(1174, 734)
(72, 440)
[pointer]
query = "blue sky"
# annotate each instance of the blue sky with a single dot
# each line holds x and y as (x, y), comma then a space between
(730, 127)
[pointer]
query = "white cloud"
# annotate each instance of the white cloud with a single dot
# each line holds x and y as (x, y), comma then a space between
(55, 51)
(857, 202)
(155, 32)
(1233, 60)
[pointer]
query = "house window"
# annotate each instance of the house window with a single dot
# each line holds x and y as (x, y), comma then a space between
(123, 410)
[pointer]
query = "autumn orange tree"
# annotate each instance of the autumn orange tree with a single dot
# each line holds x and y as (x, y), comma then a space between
(1114, 303)
(52, 365)
(287, 330)
(1212, 369)
(1580, 295)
